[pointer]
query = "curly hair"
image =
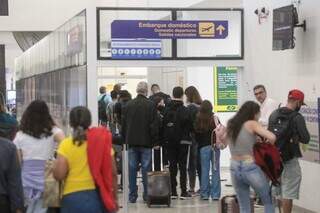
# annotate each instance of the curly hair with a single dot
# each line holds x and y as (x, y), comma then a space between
(36, 120)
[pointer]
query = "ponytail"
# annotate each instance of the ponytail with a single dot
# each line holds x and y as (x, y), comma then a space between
(80, 121)
(79, 135)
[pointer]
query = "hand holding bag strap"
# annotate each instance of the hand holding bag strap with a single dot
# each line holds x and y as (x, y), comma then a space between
(53, 189)
(213, 122)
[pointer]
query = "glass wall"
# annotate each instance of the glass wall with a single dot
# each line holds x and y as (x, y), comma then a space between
(61, 90)
(54, 70)
(64, 47)
(228, 47)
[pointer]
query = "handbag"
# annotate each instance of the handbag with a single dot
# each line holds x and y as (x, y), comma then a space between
(52, 193)
(220, 133)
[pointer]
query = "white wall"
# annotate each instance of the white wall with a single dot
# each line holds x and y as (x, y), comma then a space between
(219, 4)
(12, 50)
(281, 71)
(202, 79)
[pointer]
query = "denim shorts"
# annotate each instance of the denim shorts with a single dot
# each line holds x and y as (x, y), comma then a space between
(290, 180)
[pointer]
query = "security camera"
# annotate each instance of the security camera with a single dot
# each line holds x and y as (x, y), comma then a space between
(262, 13)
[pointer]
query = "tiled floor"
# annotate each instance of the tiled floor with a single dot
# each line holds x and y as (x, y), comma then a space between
(194, 205)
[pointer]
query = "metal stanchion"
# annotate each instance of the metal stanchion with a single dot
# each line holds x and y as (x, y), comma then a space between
(125, 176)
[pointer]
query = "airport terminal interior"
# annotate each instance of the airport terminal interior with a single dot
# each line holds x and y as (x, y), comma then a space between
(64, 52)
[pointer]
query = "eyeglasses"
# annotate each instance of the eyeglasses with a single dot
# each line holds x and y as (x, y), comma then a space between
(258, 93)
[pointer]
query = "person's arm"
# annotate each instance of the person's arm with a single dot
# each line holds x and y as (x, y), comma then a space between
(61, 168)
(58, 137)
(123, 118)
(17, 142)
(154, 125)
(259, 130)
(303, 133)
(15, 190)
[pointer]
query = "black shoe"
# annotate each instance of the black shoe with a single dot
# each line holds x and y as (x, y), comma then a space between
(174, 195)
(185, 196)
(259, 203)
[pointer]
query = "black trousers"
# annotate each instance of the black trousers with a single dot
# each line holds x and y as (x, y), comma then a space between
(4, 204)
(194, 165)
(178, 160)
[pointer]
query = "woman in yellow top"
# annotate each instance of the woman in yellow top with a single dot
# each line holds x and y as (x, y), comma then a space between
(79, 193)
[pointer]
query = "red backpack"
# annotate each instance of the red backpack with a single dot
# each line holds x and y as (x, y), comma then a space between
(267, 157)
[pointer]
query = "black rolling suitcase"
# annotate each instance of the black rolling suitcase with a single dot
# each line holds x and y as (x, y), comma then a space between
(159, 185)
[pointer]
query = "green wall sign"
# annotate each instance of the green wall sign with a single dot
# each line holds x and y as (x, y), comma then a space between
(225, 89)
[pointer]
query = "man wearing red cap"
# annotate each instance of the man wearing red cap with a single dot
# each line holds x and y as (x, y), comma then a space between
(290, 128)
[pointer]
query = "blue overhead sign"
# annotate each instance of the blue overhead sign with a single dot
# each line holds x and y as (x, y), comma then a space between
(135, 49)
(134, 29)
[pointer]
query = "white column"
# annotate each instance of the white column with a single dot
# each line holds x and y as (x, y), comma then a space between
(92, 87)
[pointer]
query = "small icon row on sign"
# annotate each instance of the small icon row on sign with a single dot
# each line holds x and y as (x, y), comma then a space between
(136, 51)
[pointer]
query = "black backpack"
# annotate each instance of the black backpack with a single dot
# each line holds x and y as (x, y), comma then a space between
(102, 109)
(171, 126)
(282, 126)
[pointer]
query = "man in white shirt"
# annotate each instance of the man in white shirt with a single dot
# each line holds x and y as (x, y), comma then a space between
(267, 105)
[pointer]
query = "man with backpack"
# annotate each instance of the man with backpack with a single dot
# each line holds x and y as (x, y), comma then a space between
(103, 100)
(111, 116)
(177, 124)
(289, 126)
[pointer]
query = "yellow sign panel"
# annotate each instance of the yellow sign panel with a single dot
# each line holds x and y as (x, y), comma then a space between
(206, 29)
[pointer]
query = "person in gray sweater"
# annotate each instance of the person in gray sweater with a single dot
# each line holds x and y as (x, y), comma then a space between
(11, 192)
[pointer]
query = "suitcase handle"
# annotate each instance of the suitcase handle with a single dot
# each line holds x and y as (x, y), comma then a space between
(161, 162)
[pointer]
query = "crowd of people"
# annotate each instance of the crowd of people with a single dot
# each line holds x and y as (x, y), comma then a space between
(89, 161)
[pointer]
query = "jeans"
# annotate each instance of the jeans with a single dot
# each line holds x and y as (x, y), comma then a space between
(246, 174)
(178, 157)
(82, 202)
(36, 206)
(138, 155)
(210, 157)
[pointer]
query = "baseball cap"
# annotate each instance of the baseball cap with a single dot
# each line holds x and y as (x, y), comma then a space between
(296, 94)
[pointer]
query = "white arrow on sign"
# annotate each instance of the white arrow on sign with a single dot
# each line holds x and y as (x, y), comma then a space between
(221, 28)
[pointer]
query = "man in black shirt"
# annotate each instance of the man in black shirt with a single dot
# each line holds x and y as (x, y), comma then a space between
(11, 192)
(140, 129)
(155, 89)
(290, 149)
(177, 126)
